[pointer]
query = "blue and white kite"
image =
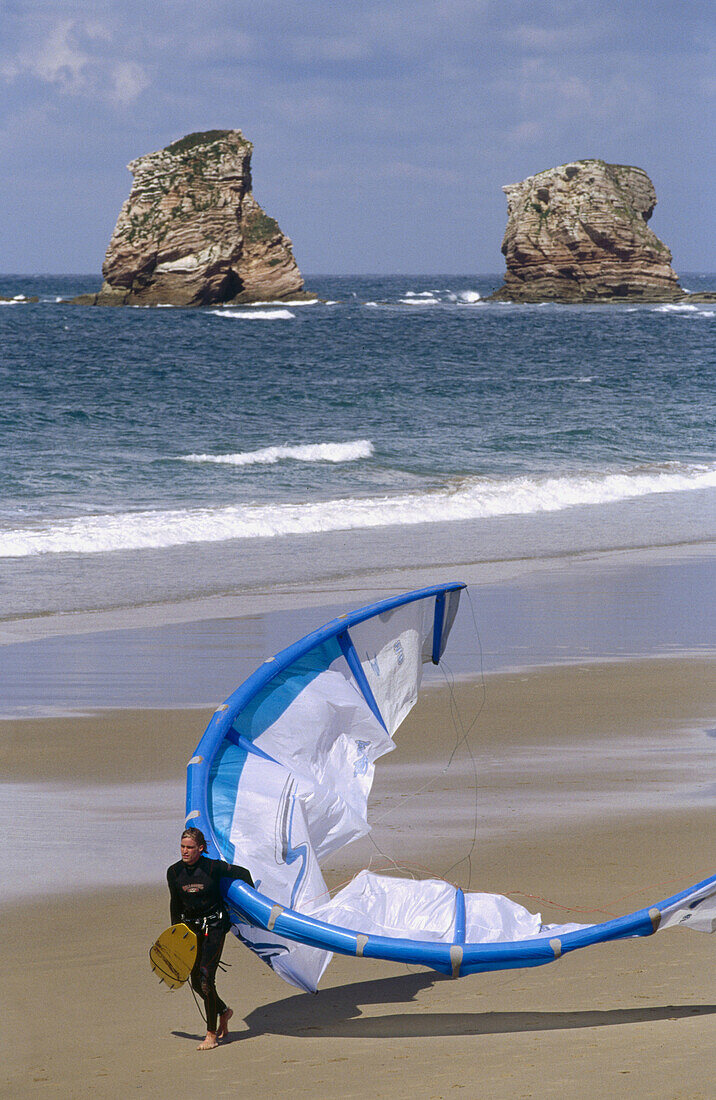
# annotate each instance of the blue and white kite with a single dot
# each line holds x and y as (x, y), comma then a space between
(281, 778)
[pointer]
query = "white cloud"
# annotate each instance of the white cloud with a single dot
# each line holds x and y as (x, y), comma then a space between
(72, 58)
(58, 59)
(127, 81)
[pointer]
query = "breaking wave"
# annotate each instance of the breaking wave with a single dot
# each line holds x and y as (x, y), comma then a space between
(255, 314)
(308, 452)
(274, 304)
(439, 297)
(468, 499)
(684, 307)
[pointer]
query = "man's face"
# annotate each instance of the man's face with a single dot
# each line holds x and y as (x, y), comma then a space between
(190, 850)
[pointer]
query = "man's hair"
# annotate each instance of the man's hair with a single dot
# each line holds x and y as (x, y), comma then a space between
(197, 836)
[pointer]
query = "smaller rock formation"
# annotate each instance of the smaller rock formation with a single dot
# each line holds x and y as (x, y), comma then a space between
(192, 234)
(579, 233)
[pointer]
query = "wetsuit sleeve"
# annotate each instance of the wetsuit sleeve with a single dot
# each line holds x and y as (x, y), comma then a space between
(227, 870)
(174, 900)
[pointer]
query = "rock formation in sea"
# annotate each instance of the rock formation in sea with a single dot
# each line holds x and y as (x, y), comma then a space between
(579, 233)
(192, 234)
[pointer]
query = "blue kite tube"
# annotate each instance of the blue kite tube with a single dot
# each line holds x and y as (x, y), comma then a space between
(457, 959)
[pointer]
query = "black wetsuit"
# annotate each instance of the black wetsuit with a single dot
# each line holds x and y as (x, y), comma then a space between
(196, 899)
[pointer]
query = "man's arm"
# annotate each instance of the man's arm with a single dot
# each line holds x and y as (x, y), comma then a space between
(174, 901)
(234, 872)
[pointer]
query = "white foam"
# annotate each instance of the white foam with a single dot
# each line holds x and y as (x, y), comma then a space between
(469, 499)
(437, 297)
(307, 452)
(275, 304)
(684, 307)
(561, 378)
(255, 314)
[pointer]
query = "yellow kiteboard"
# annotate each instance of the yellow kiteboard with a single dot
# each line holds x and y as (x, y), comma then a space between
(173, 955)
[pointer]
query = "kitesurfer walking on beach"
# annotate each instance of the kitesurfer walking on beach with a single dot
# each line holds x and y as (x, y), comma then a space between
(196, 899)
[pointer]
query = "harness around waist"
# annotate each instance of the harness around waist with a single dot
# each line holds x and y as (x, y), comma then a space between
(210, 920)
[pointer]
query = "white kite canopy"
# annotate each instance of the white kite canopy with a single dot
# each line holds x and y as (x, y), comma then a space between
(281, 780)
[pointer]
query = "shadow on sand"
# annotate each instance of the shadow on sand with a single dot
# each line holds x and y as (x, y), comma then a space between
(337, 1013)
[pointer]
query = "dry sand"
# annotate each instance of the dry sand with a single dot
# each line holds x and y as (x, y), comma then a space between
(83, 1016)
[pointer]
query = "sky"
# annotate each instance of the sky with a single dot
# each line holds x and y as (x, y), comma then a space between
(383, 131)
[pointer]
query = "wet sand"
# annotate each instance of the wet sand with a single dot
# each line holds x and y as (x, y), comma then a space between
(593, 799)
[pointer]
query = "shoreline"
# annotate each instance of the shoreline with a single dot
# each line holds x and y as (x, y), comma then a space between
(64, 746)
(363, 586)
(586, 608)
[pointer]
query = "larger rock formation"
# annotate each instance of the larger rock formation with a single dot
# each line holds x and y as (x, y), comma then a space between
(579, 233)
(192, 234)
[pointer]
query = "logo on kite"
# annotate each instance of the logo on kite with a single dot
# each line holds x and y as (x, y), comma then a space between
(361, 765)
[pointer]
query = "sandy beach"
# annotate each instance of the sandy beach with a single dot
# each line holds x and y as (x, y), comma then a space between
(592, 800)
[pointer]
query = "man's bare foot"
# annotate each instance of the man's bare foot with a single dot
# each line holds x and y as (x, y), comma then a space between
(210, 1041)
(224, 1023)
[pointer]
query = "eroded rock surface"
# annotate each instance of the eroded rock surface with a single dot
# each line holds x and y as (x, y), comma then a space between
(579, 233)
(192, 234)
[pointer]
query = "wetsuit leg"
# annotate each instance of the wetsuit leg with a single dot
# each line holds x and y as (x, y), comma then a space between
(203, 975)
(195, 976)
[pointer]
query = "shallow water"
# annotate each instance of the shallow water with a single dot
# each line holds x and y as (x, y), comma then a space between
(570, 611)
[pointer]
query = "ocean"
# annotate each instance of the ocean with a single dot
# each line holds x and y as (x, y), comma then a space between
(154, 455)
